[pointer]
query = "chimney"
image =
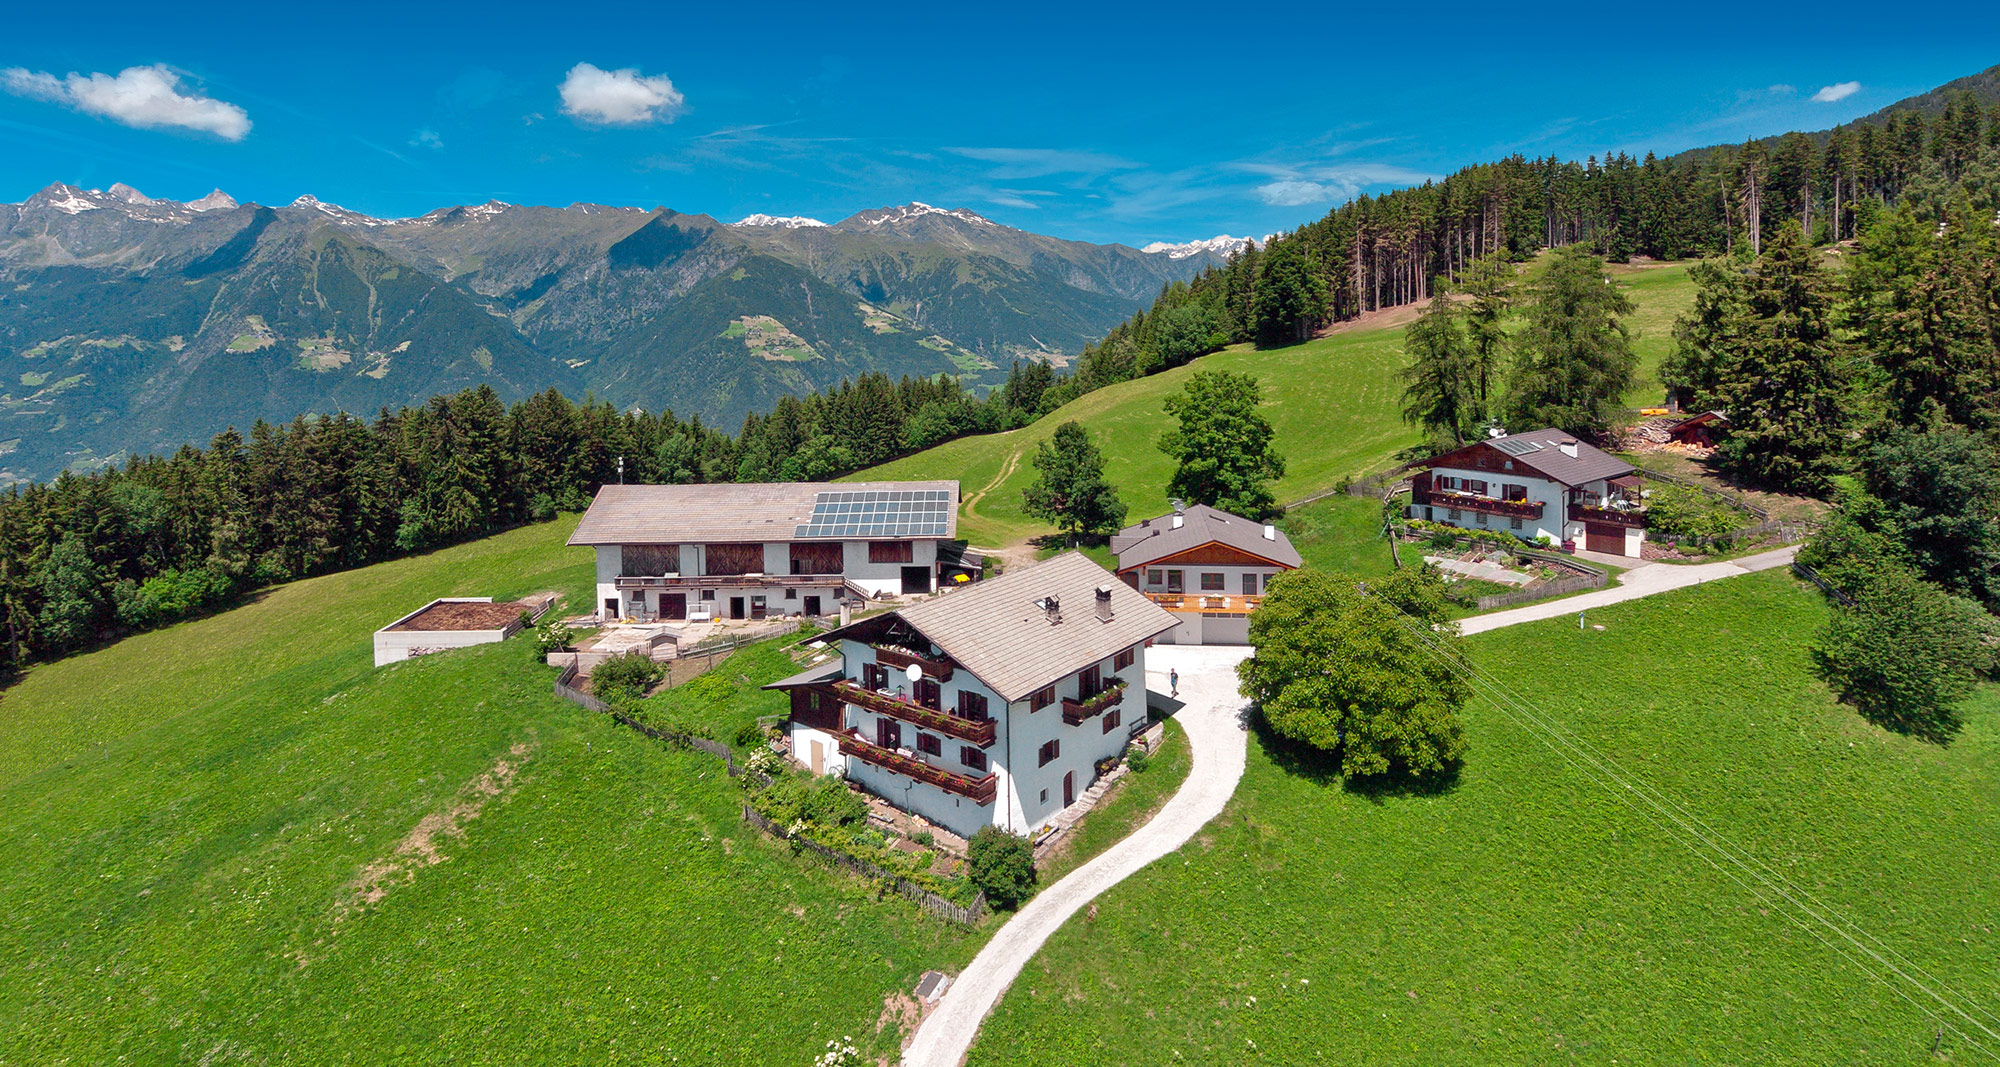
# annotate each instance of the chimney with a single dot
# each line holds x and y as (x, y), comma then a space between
(1270, 532)
(1568, 448)
(1103, 603)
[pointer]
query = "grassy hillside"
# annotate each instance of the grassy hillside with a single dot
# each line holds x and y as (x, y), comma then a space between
(1335, 403)
(1531, 916)
(194, 825)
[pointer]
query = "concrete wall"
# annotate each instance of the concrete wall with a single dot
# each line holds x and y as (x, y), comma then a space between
(394, 646)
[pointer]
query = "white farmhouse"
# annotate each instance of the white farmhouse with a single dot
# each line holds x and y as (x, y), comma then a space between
(751, 550)
(1541, 484)
(991, 705)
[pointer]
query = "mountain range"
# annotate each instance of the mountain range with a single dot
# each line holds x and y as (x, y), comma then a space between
(130, 324)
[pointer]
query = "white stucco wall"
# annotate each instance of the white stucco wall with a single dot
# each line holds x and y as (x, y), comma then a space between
(1021, 783)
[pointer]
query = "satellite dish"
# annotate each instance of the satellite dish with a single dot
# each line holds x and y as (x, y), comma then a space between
(914, 673)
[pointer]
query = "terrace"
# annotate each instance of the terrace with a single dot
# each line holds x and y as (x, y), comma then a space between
(1210, 604)
(1617, 516)
(977, 731)
(978, 790)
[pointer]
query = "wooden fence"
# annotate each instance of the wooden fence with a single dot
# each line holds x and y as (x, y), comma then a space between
(577, 696)
(927, 900)
(1825, 586)
(1561, 587)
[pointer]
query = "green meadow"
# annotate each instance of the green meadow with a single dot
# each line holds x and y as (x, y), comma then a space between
(1334, 403)
(1529, 914)
(235, 841)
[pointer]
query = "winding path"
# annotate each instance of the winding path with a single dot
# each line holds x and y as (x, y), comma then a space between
(1212, 718)
(1651, 579)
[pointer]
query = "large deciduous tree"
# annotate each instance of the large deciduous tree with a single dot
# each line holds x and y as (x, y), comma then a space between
(1573, 357)
(1222, 445)
(1069, 490)
(1368, 677)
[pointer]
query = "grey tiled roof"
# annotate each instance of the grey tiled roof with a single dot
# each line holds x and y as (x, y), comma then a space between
(747, 511)
(1590, 464)
(1136, 546)
(994, 629)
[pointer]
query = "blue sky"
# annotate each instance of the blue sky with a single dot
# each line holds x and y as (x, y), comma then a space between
(1129, 124)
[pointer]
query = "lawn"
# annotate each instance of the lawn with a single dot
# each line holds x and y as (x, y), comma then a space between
(1129, 805)
(1334, 403)
(194, 823)
(1529, 915)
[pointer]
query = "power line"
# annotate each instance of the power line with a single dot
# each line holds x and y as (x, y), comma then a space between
(1688, 829)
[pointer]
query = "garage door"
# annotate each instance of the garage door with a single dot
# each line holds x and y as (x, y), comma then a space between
(1603, 537)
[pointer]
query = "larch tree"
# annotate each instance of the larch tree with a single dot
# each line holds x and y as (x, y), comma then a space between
(1440, 383)
(1489, 286)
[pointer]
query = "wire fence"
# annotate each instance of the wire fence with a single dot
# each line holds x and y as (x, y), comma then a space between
(1825, 586)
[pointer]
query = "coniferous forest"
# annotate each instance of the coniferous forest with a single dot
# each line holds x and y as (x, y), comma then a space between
(87, 557)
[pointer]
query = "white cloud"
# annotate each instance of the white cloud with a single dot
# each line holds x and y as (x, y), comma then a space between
(619, 97)
(136, 96)
(1836, 92)
(1018, 163)
(426, 138)
(1292, 192)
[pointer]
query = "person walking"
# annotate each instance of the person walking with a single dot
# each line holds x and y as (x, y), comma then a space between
(1173, 682)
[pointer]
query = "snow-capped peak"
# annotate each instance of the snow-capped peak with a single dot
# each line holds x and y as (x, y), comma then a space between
(917, 209)
(488, 209)
(334, 211)
(214, 201)
(121, 191)
(1222, 244)
(789, 222)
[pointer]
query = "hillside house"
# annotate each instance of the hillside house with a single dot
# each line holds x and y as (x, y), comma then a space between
(1208, 567)
(752, 550)
(990, 705)
(1541, 484)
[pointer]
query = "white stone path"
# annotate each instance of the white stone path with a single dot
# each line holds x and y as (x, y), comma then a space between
(1214, 723)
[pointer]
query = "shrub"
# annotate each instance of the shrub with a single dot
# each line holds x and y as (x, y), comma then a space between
(1002, 865)
(1905, 654)
(1681, 511)
(625, 678)
(1138, 760)
(817, 801)
(168, 596)
(553, 636)
(924, 837)
(750, 735)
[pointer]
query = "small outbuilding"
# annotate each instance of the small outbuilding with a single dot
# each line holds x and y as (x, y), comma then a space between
(1701, 430)
(455, 622)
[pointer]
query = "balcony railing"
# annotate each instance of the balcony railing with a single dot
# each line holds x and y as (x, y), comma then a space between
(1076, 711)
(1513, 509)
(725, 581)
(978, 790)
(936, 669)
(1614, 516)
(978, 731)
(1210, 602)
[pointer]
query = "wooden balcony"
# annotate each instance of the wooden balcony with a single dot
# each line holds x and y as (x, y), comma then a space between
(1210, 603)
(1512, 509)
(1075, 712)
(725, 581)
(1613, 516)
(934, 669)
(978, 731)
(978, 790)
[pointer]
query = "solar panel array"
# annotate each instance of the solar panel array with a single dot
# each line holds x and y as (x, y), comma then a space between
(1517, 448)
(880, 513)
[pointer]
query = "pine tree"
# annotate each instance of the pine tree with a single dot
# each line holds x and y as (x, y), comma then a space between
(1573, 357)
(1783, 390)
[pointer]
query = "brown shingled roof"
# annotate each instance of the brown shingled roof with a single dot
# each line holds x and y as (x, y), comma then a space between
(1136, 546)
(738, 511)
